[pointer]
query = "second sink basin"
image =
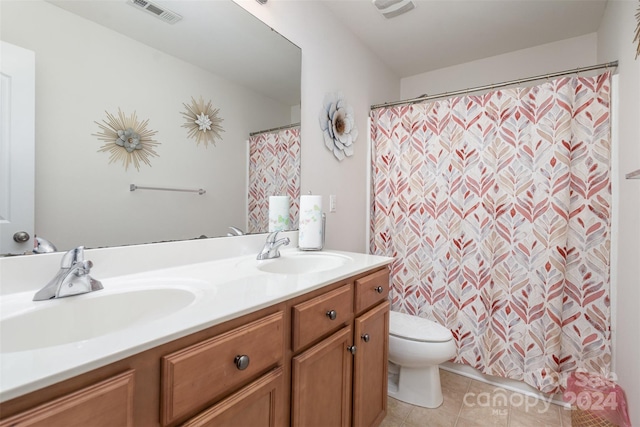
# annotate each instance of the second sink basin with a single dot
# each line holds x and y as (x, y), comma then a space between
(302, 262)
(78, 318)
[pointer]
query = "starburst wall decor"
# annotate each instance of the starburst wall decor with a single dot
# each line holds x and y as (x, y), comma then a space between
(203, 123)
(127, 140)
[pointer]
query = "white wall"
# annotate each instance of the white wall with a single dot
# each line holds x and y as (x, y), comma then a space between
(333, 60)
(615, 43)
(80, 198)
(558, 56)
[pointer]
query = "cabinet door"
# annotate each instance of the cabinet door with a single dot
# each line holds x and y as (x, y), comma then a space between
(258, 404)
(105, 404)
(321, 377)
(370, 371)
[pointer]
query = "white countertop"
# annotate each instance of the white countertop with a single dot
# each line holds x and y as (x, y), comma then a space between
(225, 288)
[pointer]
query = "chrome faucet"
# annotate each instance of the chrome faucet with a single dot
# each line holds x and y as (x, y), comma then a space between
(43, 246)
(271, 247)
(235, 231)
(72, 279)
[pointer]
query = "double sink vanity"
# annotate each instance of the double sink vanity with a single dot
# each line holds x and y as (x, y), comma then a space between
(198, 333)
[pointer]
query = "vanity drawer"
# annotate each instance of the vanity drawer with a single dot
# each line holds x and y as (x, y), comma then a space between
(195, 376)
(314, 318)
(371, 289)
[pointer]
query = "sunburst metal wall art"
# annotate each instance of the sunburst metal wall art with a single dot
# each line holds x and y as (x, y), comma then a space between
(127, 140)
(203, 123)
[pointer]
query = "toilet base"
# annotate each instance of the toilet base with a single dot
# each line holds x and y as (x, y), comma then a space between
(417, 386)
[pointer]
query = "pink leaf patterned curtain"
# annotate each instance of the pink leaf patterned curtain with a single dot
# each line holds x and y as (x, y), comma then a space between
(274, 170)
(497, 208)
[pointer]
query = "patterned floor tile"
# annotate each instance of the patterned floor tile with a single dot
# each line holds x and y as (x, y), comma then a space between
(470, 403)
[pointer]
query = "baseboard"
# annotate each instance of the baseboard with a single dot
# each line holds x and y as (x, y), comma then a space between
(505, 383)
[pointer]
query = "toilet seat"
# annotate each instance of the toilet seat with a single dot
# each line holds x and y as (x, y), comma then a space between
(416, 328)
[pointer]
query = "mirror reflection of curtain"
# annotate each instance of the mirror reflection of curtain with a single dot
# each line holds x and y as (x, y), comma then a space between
(274, 170)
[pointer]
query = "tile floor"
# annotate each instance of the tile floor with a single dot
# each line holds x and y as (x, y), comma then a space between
(484, 405)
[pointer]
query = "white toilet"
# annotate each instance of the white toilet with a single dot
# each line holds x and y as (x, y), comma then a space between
(416, 347)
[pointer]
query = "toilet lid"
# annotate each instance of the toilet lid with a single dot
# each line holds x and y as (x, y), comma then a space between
(417, 328)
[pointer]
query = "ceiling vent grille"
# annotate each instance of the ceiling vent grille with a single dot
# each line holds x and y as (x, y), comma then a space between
(158, 11)
(392, 8)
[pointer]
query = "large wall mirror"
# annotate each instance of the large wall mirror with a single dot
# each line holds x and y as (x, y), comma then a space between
(104, 56)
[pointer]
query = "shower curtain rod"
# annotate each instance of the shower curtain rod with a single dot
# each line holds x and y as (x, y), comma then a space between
(292, 125)
(423, 98)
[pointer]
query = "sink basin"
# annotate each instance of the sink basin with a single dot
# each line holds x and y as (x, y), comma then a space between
(82, 317)
(302, 263)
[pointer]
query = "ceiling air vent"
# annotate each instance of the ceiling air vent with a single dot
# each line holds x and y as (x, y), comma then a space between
(156, 10)
(392, 8)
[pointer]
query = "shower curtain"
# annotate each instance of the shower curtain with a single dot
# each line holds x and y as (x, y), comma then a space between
(274, 170)
(497, 208)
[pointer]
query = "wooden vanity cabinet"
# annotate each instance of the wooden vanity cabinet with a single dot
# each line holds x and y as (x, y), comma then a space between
(341, 380)
(319, 359)
(202, 357)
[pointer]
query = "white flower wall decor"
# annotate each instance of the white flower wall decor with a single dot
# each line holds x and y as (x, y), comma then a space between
(203, 123)
(127, 139)
(338, 125)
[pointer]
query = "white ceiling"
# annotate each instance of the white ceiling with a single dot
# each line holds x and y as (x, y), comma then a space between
(218, 36)
(442, 33)
(436, 34)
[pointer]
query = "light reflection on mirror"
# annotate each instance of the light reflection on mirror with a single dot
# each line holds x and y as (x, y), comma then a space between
(94, 58)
